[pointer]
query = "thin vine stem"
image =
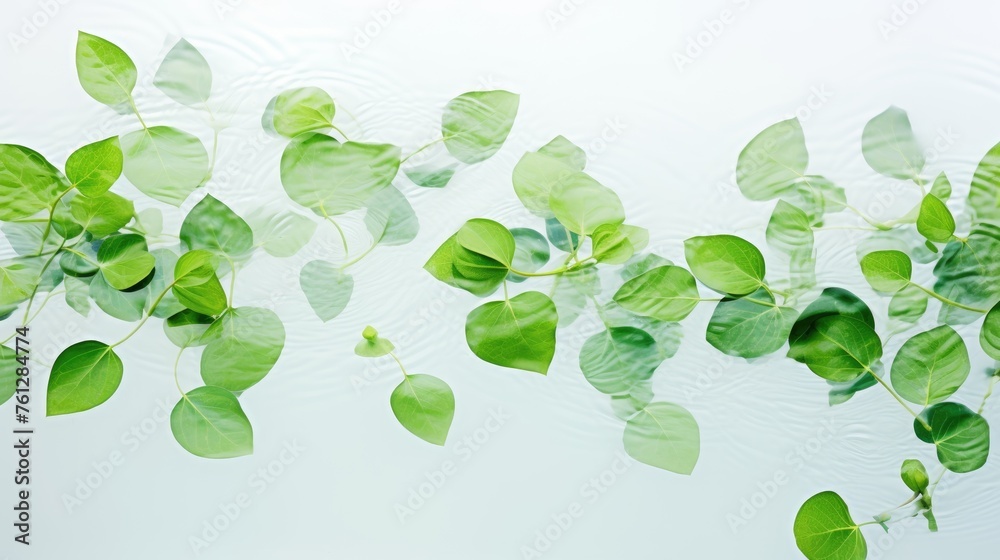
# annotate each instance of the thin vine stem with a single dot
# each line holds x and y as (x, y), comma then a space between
(899, 399)
(177, 381)
(400, 364)
(424, 147)
(945, 300)
(149, 314)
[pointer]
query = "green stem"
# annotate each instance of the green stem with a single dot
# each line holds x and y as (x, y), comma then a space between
(400, 363)
(943, 299)
(343, 237)
(989, 391)
(898, 398)
(580, 265)
(424, 147)
(333, 126)
(34, 291)
(149, 314)
(176, 379)
(360, 257)
(131, 101)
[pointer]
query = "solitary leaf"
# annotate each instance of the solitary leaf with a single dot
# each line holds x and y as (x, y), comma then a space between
(476, 124)
(165, 163)
(725, 263)
(425, 406)
(125, 260)
(617, 359)
(667, 293)
(961, 436)
(931, 366)
(664, 435)
(889, 146)
(83, 376)
(212, 226)
(327, 288)
(209, 422)
(243, 345)
(773, 161)
(887, 271)
(824, 530)
(519, 333)
(184, 75)
(95, 167)
(750, 327)
(106, 73)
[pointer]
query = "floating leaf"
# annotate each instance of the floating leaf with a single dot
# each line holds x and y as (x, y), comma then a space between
(935, 221)
(327, 288)
(611, 244)
(536, 173)
(961, 436)
(209, 422)
(560, 237)
(984, 195)
(196, 285)
(789, 229)
(212, 226)
(94, 168)
(941, 187)
(664, 435)
(887, 271)
(184, 75)
(931, 366)
(28, 183)
(83, 376)
(582, 204)
(750, 327)
(185, 328)
(373, 345)
(425, 406)
(243, 345)
(476, 124)
(165, 163)
(841, 348)
(126, 306)
(531, 252)
(773, 161)
(908, 305)
(301, 110)
(125, 260)
(17, 281)
(390, 219)
(824, 530)
(889, 146)
(519, 333)
(667, 293)
(78, 295)
(816, 196)
(106, 73)
(989, 335)
(967, 274)
(283, 234)
(104, 214)
(617, 359)
(725, 263)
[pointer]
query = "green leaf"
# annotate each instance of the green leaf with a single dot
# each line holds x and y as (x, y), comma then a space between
(63, 222)
(243, 345)
(967, 274)
(212, 226)
(26, 238)
(185, 329)
(456, 266)
(518, 333)
(560, 237)
(373, 345)
(281, 234)
(196, 285)
(102, 215)
(331, 178)
(83, 376)
(327, 288)
(941, 187)
(935, 221)
(931, 366)
(889, 146)
(106, 73)
(78, 295)
(184, 75)
(82, 261)
(664, 435)
(908, 305)
(914, 475)
(750, 327)
(531, 252)
(125, 260)
(824, 530)
(165, 163)
(816, 196)
(476, 124)
(611, 244)
(841, 348)
(961, 436)
(149, 221)
(773, 161)
(582, 204)
(989, 335)
(617, 359)
(841, 392)
(431, 177)
(390, 219)
(28, 183)
(725, 263)
(789, 229)
(667, 293)
(536, 173)
(126, 306)
(489, 239)
(425, 406)
(209, 422)
(94, 168)
(887, 271)
(300, 110)
(984, 195)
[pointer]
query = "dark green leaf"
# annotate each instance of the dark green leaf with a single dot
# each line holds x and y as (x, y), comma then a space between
(931, 366)
(961, 436)
(750, 327)
(212, 226)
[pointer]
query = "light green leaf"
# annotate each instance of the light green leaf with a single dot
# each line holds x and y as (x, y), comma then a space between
(331, 178)
(390, 219)
(519, 333)
(125, 260)
(209, 422)
(984, 195)
(373, 345)
(642, 263)
(281, 234)
(750, 327)
(582, 204)
(914, 475)
(611, 244)
(841, 392)
(8, 373)
(327, 288)
(476, 124)
(935, 221)
(26, 238)
(824, 530)
(725, 263)
(425, 406)
(961, 436)
(456, 266)
(149, 221)
(887, 271)
(212, 226)
(989, 335)
(184, 75)
(83, 376)
(489, 239)
(78, 295)
(773, 161)
(196, 285)
(816, 196)
(931, 366)
(908, 305)
(664, 435)
(967, 274)
(538, 172)
(243, 345)
(617, 359)
(17, 280)
(841, 348)
(94, 168)
(667, 293)
(102, 215)
(185, 328)
(889, 146)
(531, 252)
(165, 163)
(28, 183)
(572, 291)
(163, 277)
(300, 110)
(106, 73)
(789, 229)
(562, 149)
